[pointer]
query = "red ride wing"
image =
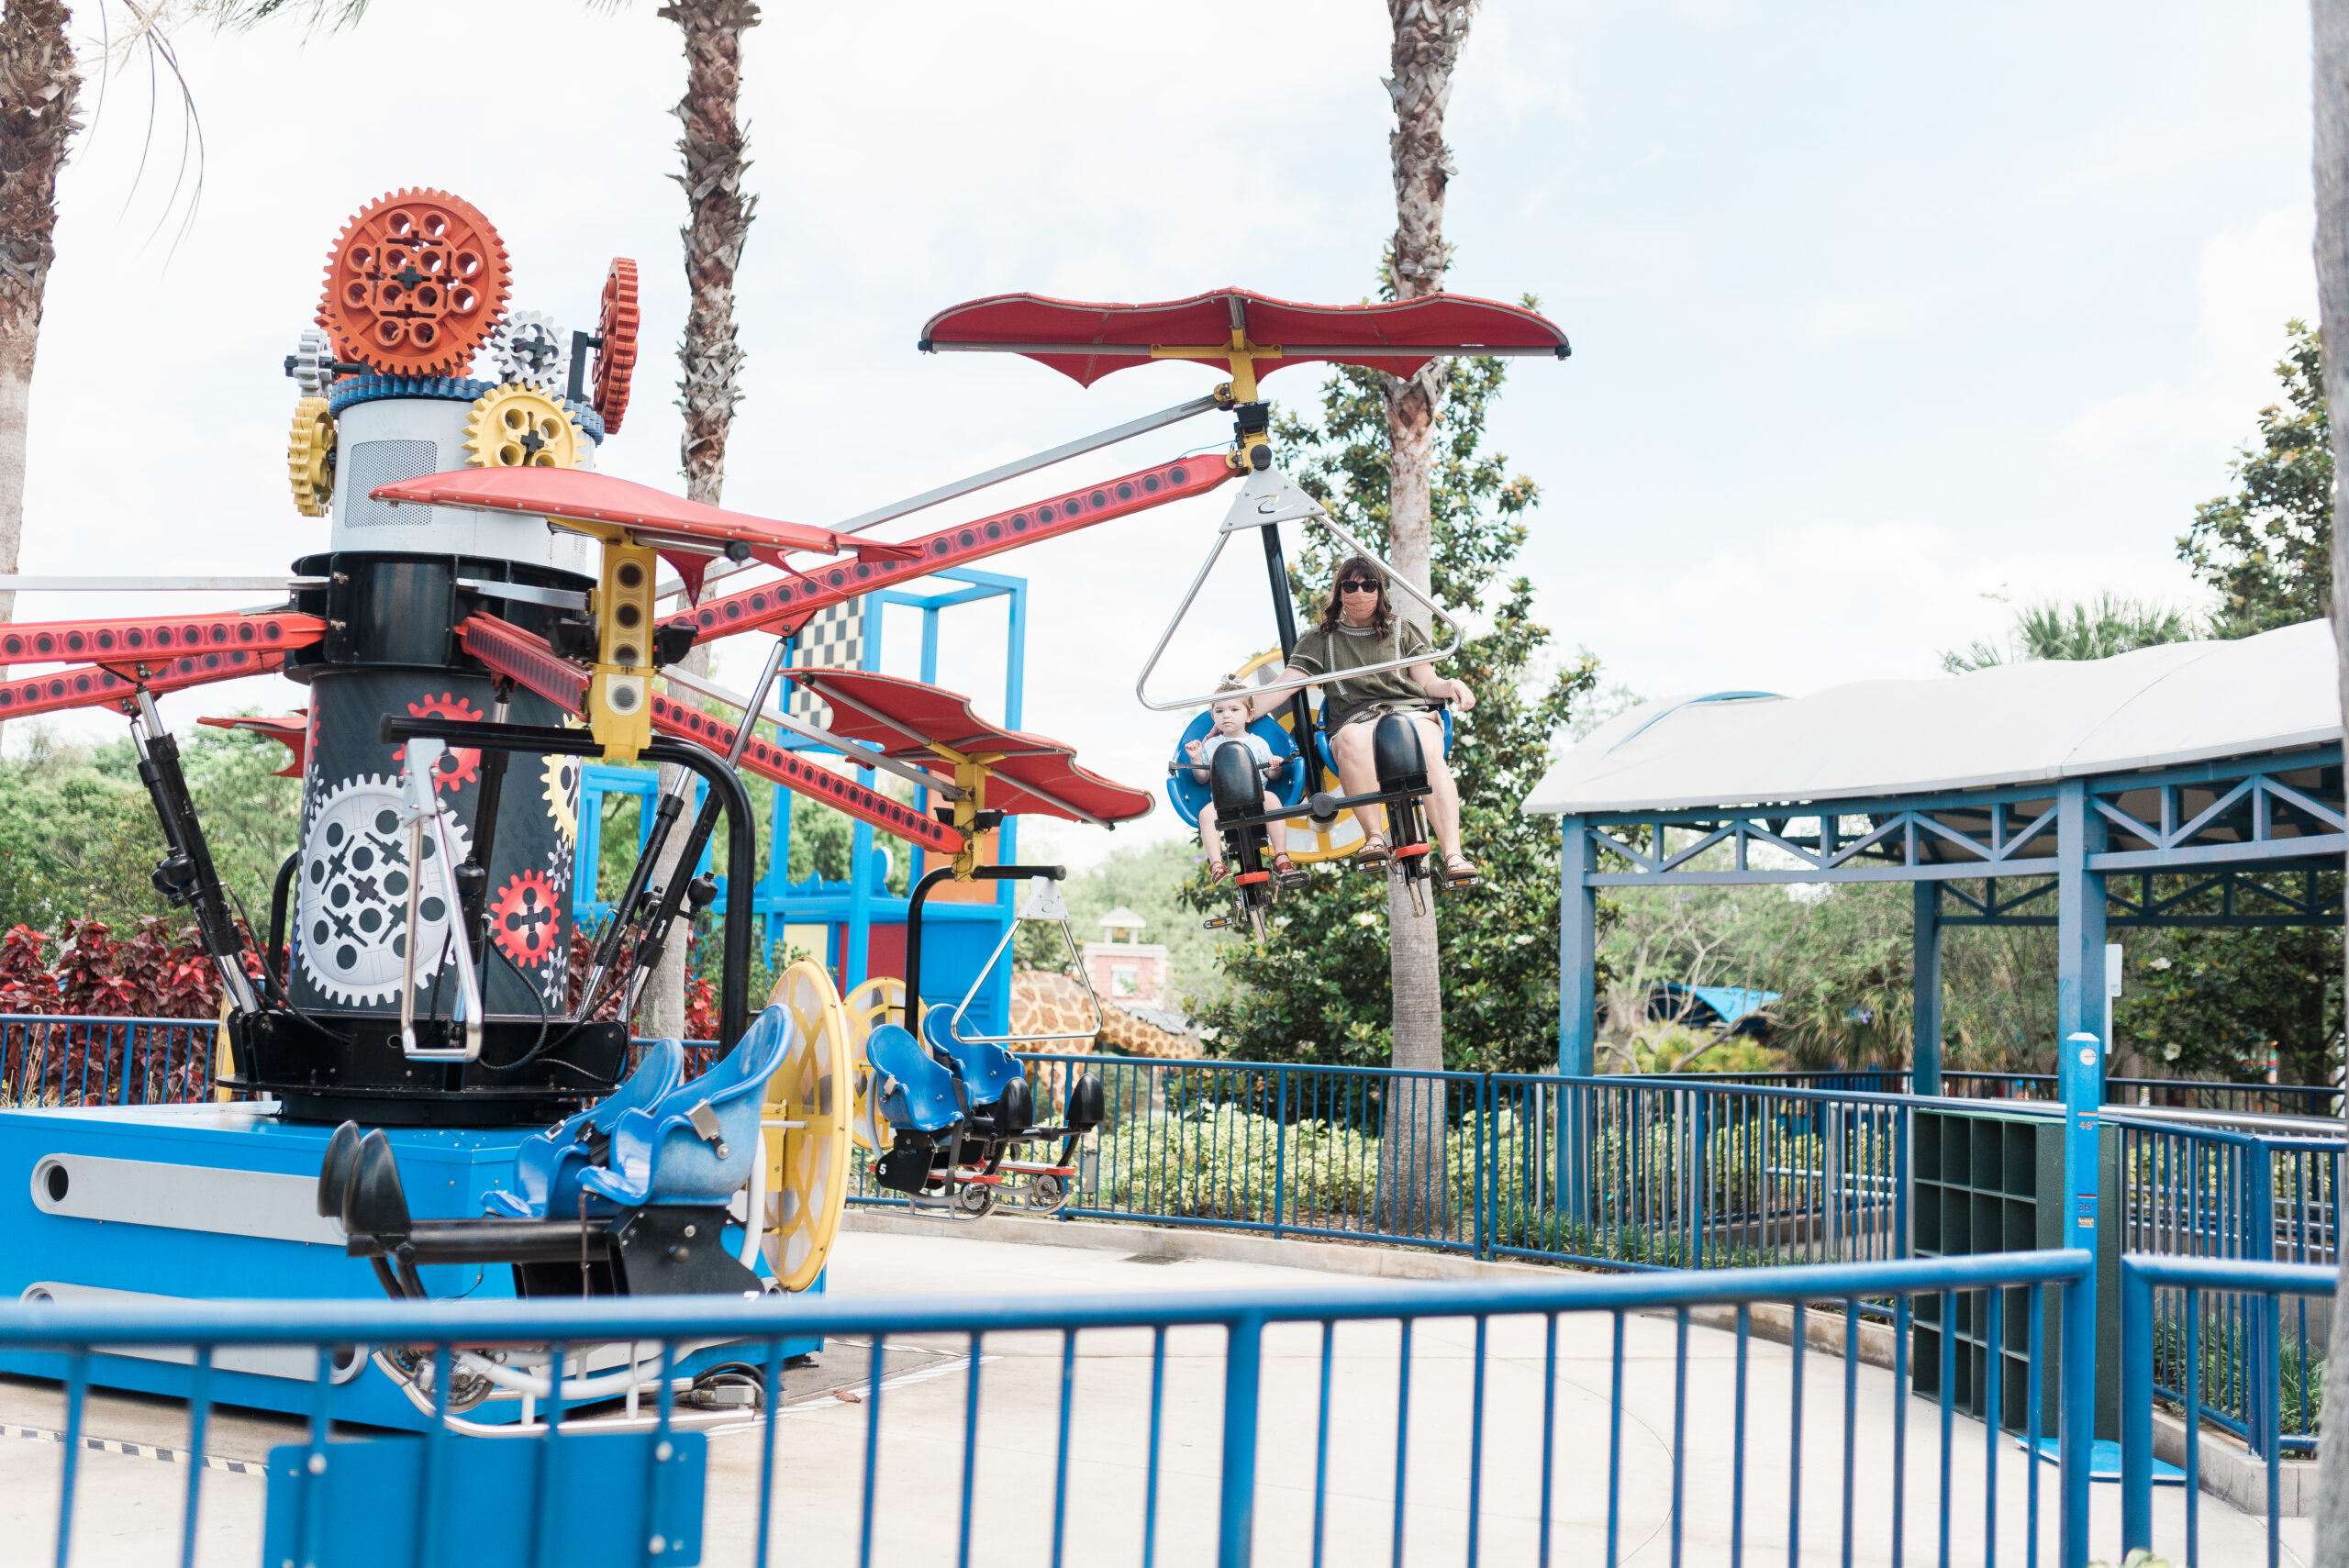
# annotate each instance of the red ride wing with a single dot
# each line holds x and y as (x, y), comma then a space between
(654, 516)
(1081, 339)
(904, 718)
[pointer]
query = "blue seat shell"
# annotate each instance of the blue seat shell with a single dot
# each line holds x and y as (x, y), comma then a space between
(1187, 794)
(547, 1164)
(659, 1156)
(916, 1089)
(986, 1070)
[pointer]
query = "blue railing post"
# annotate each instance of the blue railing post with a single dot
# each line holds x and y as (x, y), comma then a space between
(1280, 1147)
(2080, 1072)
(2075, 1412)
(2261, 1394)
(2136, 1409)
(1242, 1372)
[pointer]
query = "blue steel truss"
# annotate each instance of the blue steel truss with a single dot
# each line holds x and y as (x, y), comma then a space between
(2233, 841)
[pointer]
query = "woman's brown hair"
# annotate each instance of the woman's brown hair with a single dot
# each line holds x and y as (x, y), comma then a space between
(1380, 618)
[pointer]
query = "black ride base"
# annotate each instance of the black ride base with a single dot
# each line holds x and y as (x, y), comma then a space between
(332, 1067)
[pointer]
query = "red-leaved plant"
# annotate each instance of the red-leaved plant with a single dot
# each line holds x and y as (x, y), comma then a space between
(85, 973)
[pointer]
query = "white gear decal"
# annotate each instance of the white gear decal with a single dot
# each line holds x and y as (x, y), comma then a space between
(561, 776)
(353, 904)
(529, 350)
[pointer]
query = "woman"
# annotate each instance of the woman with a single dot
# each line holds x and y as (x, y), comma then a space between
(1358, 629)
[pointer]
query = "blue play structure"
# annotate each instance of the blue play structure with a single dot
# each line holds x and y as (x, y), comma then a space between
(855, 927)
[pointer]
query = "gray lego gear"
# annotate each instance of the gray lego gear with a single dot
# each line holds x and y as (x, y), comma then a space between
(531, 350)
(313, 363)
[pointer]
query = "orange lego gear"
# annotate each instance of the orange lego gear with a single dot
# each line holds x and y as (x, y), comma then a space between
(616, 360)
(524, 920)
(413, 283)
(459, 765)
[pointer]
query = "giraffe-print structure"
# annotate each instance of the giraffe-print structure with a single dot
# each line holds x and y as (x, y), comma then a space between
(1044, 1003)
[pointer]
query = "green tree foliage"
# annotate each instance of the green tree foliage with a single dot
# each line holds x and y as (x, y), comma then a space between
(2266, 549)
(1318, 989)
(2100, 628)
(78, 836)
(2214, 1000)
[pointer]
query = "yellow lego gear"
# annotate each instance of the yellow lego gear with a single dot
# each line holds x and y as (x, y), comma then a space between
(518, 427)
(307, 451)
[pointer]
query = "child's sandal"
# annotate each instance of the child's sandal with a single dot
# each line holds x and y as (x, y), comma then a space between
(1284, 873)
(1217, 871)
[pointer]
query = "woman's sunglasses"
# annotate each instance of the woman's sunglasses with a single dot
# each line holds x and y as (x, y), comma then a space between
(1357, 586)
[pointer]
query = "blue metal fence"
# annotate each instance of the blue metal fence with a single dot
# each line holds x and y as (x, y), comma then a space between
(2170, 1308)
(77, 1060)
(1277, 1368)
(2184, 1093)
(2228, 1196)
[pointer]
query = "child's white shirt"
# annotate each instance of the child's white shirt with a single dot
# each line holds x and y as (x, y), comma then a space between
(1254, 744)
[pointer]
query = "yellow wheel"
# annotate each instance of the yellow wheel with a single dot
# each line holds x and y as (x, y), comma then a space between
(879, 1000)
(807, 1174)
(1305, 846)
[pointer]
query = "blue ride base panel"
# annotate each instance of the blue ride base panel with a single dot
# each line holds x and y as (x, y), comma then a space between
(147, 1204)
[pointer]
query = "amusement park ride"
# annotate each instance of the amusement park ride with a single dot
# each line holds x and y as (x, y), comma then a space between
(425, 1105)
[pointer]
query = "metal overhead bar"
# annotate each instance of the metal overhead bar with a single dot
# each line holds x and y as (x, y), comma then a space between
(755, 610)
(22, 582)
(1030, 465)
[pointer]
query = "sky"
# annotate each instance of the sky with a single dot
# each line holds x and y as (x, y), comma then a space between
(1884, 319)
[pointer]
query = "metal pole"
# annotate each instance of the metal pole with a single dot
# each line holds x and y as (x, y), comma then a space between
(1925, 977)
(2136, 1410)
(1242, 1370)
(1013, 469)
(1301, 709)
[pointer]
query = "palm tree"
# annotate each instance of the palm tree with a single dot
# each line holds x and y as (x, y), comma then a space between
(40, 87)
(2330, 18)
(718, 221)
(1428, 38)
(2086, 628)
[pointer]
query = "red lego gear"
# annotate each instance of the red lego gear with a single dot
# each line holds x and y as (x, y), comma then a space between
(524, 920)
(459, 765)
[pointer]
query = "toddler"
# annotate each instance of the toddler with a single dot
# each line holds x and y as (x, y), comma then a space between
(1228, 715)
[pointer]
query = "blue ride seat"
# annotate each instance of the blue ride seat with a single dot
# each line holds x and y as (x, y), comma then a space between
(916, 1089)
(1321, 738)
(1188, 793)
(696, 1143)
(547, 1164)
(986, 1070)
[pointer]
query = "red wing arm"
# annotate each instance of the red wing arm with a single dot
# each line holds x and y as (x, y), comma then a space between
(798, 597)
(525, 659)
(96, 686)
(156, 638)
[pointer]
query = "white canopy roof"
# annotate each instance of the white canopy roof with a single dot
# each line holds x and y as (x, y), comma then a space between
(2025, 723)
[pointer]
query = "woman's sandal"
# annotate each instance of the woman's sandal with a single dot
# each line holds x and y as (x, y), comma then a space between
(1460, 871)
(1373, 852)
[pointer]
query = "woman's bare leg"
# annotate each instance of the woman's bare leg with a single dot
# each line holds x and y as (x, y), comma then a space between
(1349, 747)
(1444, 793)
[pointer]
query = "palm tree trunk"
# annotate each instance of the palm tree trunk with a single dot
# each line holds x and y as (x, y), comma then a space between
(40, 87)
(717, 222)
(1428, 38)
(2332, 117)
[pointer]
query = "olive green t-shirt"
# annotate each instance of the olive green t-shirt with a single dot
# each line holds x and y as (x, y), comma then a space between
(1331, 653)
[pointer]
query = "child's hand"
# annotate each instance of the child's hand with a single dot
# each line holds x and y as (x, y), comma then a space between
(1193, 751)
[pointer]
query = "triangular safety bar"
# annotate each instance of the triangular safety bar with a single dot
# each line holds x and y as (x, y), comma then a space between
(1271, 498)
(1043, 903)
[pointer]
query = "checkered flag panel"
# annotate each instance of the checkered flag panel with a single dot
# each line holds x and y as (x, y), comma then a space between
(833, 640)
